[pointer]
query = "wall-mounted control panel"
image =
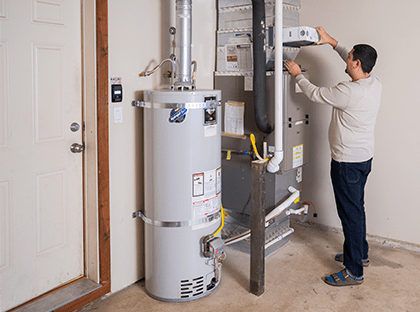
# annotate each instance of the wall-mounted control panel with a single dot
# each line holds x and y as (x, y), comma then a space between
(117, 93)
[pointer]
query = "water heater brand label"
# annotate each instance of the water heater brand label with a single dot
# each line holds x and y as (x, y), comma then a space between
(178, 115)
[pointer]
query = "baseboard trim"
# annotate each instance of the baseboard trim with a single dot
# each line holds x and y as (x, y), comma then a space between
(371, 238)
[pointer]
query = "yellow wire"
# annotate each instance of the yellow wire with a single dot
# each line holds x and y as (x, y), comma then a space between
(223, 221)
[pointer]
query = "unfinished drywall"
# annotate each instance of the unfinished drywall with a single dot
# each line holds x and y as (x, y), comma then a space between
(139, 40)
(391, 27)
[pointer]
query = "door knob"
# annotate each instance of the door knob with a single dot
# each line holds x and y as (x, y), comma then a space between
(77, 148)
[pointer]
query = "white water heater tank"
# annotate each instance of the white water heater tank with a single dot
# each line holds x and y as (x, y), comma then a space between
(182, 144)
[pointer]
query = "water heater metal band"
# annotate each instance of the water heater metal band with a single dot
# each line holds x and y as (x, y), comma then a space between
(209, 218)
(190, 105)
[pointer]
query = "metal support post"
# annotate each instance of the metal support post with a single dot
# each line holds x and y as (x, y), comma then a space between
(257, 218)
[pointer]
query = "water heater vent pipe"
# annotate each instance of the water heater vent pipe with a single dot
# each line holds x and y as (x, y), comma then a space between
(273, 165)
(183, 39)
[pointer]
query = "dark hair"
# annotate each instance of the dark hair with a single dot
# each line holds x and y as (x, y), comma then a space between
(366, 55)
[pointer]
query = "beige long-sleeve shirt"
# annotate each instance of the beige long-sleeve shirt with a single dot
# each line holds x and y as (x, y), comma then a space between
(355, 107)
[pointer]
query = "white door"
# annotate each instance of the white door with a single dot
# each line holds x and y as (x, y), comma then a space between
(41, 216)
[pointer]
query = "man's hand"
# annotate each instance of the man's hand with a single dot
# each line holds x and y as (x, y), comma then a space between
(292, 67)
(324, 37)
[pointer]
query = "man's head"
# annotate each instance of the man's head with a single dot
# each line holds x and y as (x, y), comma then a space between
(360, 61)
(366, 55)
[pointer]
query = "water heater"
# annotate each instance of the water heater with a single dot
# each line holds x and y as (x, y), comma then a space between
(183, 179)
(182, 143)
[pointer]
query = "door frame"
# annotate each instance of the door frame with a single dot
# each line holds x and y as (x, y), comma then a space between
(97, 225)
(102, 156)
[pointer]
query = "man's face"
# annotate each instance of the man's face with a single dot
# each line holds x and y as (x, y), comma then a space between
(350, 63)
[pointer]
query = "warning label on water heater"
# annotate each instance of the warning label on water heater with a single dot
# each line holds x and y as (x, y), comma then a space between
(198, 184)
(210, 131)
(207, 196)
(206, 207)
(210, 182)
(218, 180)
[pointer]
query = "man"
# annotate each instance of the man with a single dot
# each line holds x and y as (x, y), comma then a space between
(351, 137)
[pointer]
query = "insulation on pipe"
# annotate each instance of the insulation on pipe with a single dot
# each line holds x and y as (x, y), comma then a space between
(258, 34)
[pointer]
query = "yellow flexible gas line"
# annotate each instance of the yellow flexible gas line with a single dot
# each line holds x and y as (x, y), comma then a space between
(252, 138)
(223, 221)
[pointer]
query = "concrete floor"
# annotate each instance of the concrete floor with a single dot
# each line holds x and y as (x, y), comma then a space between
(294, 281)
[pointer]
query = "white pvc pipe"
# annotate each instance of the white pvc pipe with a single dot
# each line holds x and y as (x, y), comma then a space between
(273, 165)
(274, 213)
(279, 209)
(303, 209)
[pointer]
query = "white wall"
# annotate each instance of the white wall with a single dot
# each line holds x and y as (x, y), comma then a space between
(392, 27)
(139, 40)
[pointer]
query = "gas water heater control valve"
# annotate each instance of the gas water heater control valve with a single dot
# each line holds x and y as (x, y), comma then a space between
(213, 247)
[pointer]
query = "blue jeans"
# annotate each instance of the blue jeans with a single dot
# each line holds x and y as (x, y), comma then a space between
(349, 180)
